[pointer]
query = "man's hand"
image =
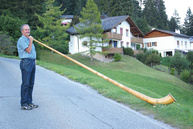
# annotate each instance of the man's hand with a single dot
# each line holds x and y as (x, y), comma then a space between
(28, 50)
(31, 38)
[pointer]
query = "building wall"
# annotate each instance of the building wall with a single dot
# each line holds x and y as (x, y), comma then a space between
(76, 46)
(125, 38)
(167, 44)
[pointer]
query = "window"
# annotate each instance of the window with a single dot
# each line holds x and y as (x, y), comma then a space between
(114, 30)
(145, 45)
(127, 44)
(181, 43)
(185, 44)
(127, 32)
(178, 44)
(154, 44)
(121, 31)
(85, 43)
(121, 43)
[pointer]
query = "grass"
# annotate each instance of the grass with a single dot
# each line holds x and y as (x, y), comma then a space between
(133, 74)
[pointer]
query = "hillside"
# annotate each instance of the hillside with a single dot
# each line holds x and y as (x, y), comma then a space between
(135, 75)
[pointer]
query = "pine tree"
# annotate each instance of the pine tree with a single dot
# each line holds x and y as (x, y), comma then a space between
(53, 33)
(172, 24)
(188, 23)
(155, 14)
(90, 27)
(177, 19)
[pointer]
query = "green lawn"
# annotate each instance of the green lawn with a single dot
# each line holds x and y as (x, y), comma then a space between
(133, 74)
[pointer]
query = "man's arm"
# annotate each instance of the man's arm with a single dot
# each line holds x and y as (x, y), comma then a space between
(28, 49)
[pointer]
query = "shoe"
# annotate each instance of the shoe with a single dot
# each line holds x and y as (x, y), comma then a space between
(26, 108)
(33, 105)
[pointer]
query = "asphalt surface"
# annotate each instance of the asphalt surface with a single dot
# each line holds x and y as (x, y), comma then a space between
(63, 104)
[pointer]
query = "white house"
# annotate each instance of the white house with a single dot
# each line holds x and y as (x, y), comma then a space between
(166, 42)
(67, 19)
(121, 32)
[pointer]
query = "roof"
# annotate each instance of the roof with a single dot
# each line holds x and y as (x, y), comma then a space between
(68, 16)
(191, 39)
(168, 32)
(111, 22)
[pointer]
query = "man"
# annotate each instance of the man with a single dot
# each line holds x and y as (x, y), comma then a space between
(27, 53)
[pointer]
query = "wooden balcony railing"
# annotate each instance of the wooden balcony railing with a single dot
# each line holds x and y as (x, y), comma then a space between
(113, 36)
(113, 50)
(136, 40)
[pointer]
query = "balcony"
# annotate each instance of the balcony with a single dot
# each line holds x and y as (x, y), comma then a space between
(113, 50)
(136, 40)
(113, 36)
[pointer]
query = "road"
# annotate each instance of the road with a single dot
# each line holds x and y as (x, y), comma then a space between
(63, 104)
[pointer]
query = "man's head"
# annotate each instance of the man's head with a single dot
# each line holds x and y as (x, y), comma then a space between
(25, 30)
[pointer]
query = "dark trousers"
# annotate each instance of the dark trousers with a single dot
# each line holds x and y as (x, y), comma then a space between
(28, 68)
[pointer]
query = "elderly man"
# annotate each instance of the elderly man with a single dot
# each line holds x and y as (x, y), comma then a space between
(27, 53)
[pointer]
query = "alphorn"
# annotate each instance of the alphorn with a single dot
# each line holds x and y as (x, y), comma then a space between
(165, 100)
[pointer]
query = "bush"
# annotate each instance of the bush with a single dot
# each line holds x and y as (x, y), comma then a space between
(172, 71)
(165, 61)
(142, 57)
(117, 57)
(179, 62)
(128, 51)
(153, 59)
(185, 76)
(150, 57)
(189, 57)
(6, 45)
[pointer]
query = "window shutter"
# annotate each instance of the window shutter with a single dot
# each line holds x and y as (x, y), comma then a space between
(147, 44)
(155, 43)
(142, 45)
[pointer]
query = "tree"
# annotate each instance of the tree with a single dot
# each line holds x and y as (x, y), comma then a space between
(172, 24)
(189, 57)
(6, 44)
(188, 23)
(24, 9)
(155, 14)
(52, 33)
(177, 19)
(90, 27)
(179, 62)
(11, 25)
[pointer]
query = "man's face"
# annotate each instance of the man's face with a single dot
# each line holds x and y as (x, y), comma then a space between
(26, 31)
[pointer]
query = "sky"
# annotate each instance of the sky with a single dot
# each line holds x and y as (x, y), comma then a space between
(180, 5)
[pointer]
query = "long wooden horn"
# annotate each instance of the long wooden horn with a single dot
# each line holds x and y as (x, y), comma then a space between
(166, 100)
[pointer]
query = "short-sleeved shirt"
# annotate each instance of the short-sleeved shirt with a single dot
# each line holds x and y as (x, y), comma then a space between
(22, 44)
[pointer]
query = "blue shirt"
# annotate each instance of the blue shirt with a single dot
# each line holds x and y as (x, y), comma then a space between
(22, 44)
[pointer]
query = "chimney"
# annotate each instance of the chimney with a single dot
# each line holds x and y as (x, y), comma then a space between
(177, 31)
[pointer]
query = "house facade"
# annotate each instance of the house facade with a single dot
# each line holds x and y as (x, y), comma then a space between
(120, 30)
(167, 42)
(66, 19)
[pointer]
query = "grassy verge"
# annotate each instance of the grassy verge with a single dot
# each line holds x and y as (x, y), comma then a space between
(135, 75)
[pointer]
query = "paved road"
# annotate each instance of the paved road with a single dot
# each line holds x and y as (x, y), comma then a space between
(63, 104)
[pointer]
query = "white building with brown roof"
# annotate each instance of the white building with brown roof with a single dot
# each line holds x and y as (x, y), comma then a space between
(167, 42)
(121, 32)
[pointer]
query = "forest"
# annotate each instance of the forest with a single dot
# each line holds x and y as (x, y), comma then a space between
(14, 13)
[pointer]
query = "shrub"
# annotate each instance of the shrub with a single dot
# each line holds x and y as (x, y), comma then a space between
(6, 45)
(165, 61)
(189, 57)
(128, 51)
(150, 57)
(172, 71)
(185, 76)
(153, 59)
(179, 62)
(117, 57)
(142, 57)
